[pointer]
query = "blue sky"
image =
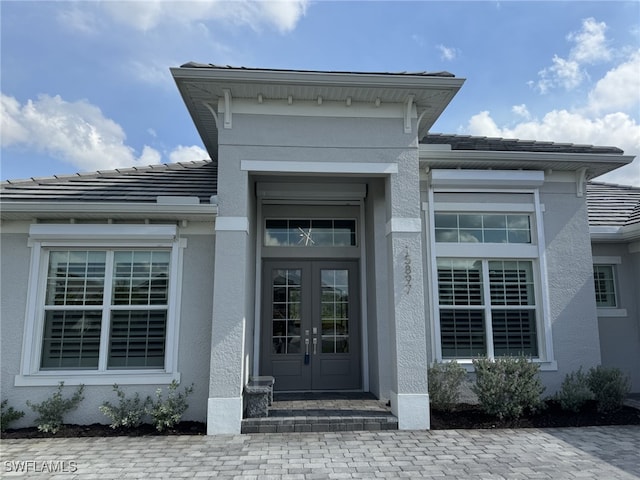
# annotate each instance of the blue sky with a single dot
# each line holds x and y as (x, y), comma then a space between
(86, 85)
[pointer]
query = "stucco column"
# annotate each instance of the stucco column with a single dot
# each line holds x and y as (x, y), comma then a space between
(229, 320)
(409, 387)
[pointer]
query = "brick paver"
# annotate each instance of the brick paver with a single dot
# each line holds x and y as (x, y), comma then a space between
(602, 453)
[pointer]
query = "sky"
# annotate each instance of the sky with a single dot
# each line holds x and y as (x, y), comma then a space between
(85, 85)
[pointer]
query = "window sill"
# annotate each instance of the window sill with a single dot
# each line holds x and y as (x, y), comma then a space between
(612, 312)
(71, 378)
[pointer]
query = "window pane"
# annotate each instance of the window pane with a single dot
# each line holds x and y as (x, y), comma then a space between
(604, 285)
(514, 332)
(75, 278)
(140, 278)
(285, 308)
(137, 339)
(462, 333)
(511, 283)
(71, 339)
(459, 282)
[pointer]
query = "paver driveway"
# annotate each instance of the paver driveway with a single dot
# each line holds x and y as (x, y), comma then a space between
(601, 453)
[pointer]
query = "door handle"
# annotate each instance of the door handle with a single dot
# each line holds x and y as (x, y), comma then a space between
(306, 353)
(315, 346)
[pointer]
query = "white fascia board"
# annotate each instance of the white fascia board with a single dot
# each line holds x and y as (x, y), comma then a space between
(311, 78)
(428, 153)
(36, 209)
(605, 233)
(309, 108)
(486, 178)
(356, 168)
(54, 231)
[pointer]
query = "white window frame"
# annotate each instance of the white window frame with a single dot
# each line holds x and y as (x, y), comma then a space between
(535, 251)
(614, 311)
(46, 237)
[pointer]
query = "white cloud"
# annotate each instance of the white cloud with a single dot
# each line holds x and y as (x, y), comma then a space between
(590, 48)
(283, 15)
(521, 111)
(447, 53)
(591, 44)
(75, 132)
(619, 88)
(188, 154)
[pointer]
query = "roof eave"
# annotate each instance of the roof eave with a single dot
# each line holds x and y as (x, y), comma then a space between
(627, 233)
(596, 164)
(138, 210)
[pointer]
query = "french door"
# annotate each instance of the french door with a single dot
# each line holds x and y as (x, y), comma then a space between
(310, 325)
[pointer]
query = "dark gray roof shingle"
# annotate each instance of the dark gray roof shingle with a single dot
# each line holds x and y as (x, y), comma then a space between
(613, 205)
(468, 142)
(136, 184)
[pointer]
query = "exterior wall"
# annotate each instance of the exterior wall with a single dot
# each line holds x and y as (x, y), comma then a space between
(570, 282)
(194, 345)
(620, 328)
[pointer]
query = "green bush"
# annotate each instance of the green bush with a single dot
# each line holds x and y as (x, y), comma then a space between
(574, 392)
(166, 413)
(609, 386)
(444, 384)
(129, 412)
(52, 411)
(8, 415)
(508, 386)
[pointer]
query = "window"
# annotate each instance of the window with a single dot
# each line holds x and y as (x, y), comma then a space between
(102, 304)
(603, 276)
(487, 307)
(482, 228)
(119, 295)
(310, 233)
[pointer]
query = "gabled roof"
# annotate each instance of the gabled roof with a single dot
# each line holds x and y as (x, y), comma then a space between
(613, 205)
(146, 184)
(202, 86)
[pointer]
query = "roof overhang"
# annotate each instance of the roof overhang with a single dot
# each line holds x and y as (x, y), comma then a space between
(201, 87)
(627, 233)
(594, 165)
(106, 210)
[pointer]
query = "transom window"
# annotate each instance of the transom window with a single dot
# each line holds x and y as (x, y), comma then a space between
(486, 307)
(482, 228)
(105, 309)
(310, 233)
(603, 276)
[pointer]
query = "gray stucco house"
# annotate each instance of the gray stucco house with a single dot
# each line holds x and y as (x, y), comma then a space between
(332, 242)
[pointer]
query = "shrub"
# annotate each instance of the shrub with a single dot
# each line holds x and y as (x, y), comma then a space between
(129, 412)
(508, 386)
(574, 392)
(444, 384)
(609, 386)
(8, 415)
(166, 413)
(52, 410)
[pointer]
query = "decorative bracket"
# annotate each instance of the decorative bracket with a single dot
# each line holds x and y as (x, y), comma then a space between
(227, 108)
(407, 114)
(213, 112)
(581, 176)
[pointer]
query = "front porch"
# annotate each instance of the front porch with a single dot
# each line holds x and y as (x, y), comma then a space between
(323, 412)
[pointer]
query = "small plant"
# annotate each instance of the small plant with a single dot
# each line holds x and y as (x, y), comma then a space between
(8, 415)
(444, 384)
(52, 410)
(166, 413)
(129, 412)
(609, 386)
(574, 392)
(508, 386)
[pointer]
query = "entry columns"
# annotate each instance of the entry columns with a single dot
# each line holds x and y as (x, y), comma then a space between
(409, 387)
(230, 299)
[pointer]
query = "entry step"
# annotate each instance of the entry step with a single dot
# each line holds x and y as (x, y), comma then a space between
(339, 423)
